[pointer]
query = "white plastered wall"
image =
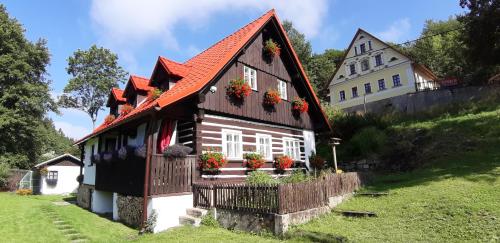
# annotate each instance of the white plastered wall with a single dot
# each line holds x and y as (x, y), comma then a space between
(169, 209)
(89, 171)
(66, 180)
(102, 202)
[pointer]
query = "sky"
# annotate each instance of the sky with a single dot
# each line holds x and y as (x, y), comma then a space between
(141, 30)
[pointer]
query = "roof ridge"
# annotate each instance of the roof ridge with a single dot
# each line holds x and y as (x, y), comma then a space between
(228, 36)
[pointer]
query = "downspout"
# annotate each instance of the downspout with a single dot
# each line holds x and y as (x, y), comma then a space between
(149, 154)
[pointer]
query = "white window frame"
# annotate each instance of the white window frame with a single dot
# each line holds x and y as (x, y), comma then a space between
(367, 60)
(268, 146)
(250, 76)
(293, 151)
(282, 89)
(238, 155)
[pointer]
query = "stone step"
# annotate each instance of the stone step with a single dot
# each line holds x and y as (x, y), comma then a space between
(196, 212)
(189, 220)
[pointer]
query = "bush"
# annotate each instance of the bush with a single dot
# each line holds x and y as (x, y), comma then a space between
(24, 192)
(296, 177)
(177, 151)
(4, 175)
(368, 141)
(209, 220)
(260, 178)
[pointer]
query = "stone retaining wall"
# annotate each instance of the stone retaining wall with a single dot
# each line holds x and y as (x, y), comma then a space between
(84, 195)
(130, 210)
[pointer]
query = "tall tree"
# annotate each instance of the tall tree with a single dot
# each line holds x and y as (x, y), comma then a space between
(95, 71)
(321, 68)
(482, 36)
(441, 48)
(24, 96)
(301, 46)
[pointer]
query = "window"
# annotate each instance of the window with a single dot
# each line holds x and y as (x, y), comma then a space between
(365, 65)
(378, 60)
(370, 45)
(381, 84)
(264, 146)
(352, 69)
(232, 146)
(355, 51)
(354, 92)
(342, 95)
(52, 175)
(250, 76)
(368, 88)
(362, 48)
(282, 89)
(396, 80)
(292, 148)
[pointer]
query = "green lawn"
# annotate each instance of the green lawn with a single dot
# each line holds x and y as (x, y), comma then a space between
(455, 197)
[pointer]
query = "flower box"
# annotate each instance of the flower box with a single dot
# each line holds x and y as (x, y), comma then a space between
(127, 108)
(254, 161)
(154, 94)
(212, 161)
(272, 97)
(300, 105)
(238, 88)
(283, 162)
(109, 119)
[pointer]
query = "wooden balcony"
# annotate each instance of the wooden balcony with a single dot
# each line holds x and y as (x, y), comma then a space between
(171, 176)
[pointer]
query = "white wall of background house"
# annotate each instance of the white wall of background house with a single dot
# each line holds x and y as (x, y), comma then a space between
(88, 169)
(66, 180)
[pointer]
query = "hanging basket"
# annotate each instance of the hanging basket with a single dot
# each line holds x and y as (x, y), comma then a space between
(271, 48)
(300, 105)
(272, 97)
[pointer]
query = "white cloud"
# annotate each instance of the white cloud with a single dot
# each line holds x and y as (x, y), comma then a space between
(72, 130)
(396, 31)
(129, 24)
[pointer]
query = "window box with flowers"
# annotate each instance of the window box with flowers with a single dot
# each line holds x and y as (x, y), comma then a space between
(154, 94)
(300, 105)
(127, 108)
(271, 48)
(272, 97)
(212, 161)
(238, 88)
(283, 162)
(254, 161)
(109, 119)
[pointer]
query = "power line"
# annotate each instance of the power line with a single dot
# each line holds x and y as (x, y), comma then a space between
(409, 42)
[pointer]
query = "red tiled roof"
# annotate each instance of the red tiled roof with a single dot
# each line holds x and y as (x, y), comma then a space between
(174, 68)
(201, 69)
(140, 83)
(118, 94)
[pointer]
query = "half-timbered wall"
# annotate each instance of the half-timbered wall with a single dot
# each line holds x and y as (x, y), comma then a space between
(268, 73)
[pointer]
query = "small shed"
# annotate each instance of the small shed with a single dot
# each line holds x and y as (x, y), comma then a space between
(57, 175)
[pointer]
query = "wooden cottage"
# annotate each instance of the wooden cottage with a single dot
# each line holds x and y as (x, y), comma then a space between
(203, 105)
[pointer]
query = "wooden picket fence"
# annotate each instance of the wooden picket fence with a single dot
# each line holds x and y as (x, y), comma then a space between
(281, 199)
(171, 176)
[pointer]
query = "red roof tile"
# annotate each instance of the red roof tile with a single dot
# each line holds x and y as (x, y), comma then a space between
(140, 83)
(201, 69)
(118, 94)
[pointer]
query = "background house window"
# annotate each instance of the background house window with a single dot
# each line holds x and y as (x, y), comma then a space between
(292, 148)
(365, 65)
(342, 95)
(378, 60)
(250, 76)
(370, 45)
(396, 80)
(381, 84)
(352, 69)
(264, 146)
(52, 175)
(282, 89)
(368, 88)
(232, 146)
(362, 48)
(355, 51)
(354, 92)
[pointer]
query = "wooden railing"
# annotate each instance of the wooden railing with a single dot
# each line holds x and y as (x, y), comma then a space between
(281, 199)
(171, 176)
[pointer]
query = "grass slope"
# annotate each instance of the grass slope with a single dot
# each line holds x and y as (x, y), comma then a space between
(454, 197)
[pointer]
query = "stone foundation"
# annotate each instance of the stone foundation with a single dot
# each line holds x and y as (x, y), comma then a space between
(129, 210)
(245, 221)
(84, 196)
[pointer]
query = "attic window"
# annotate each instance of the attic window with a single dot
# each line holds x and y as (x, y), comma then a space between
(361, 37)
(340, 77)
(393, 59)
